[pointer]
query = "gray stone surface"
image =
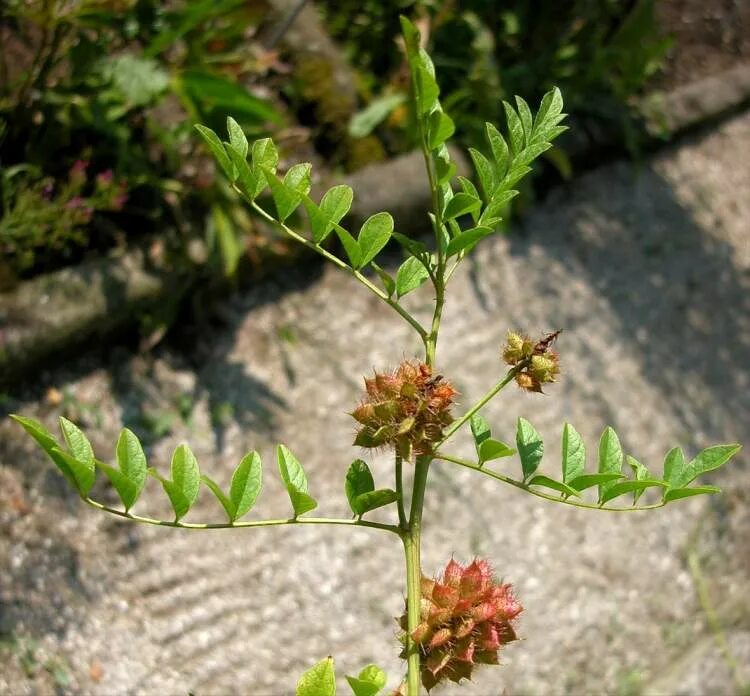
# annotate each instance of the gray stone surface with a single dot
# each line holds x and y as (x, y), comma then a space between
(647, 270)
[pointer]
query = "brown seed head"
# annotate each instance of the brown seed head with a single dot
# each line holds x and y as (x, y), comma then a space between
(407, 408)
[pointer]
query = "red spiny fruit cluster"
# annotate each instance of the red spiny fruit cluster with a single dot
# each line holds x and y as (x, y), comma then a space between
(466, 618)
(407, 408)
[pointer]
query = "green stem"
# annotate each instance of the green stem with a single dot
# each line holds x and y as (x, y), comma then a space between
(400, 492)
(524, 487)
(481, 403)
(343, 266)
(242, 525)
(414, 574)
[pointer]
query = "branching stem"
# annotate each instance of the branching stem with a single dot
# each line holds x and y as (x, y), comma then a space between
(524, 487)
(244, 525)
(343, 266)
(456, 425)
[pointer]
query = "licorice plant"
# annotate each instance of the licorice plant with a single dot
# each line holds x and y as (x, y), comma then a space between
(460, 620)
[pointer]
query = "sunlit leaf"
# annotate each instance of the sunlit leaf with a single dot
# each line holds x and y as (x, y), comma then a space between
(237, 137)
(411, 274)
(319, 680)
(573, 454)
(374, 235)
(530, 447)
(494, 449)
(47, 442)
(246, 484)
(709, 459)
(610, 458)
(467, 240)
(677, 493)
(183, 489)
(630, 487)
(358, 481)
(369, 682)
(217, 150)
(547, 482)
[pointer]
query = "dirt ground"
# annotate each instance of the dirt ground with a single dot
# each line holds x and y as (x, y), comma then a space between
(646, 268)
(708, 36)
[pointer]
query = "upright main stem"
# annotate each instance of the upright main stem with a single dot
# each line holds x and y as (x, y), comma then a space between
(413, 533)
(414, 573)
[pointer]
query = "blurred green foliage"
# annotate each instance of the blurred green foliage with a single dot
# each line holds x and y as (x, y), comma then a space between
(600, 53)
(116, 84)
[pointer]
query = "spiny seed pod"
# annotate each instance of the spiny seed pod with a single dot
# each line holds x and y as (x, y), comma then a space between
(536, 363)
(517, 348)
(466, 618)
(407, 408)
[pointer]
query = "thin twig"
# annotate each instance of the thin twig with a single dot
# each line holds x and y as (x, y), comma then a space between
(243, 525)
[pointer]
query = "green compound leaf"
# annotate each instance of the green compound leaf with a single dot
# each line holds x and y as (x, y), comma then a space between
(674, 465)
(709, 459)
(677, 493)
(497, 205)
(217, 150)
(295, 481)
(83, 473)
(427, 90)
(358, 481)
(132, 461)
(125, 488)
(466, 241)
(461, 204)
(468, 187)
(183, 489)
(388, 281)
(515, 128)
(264, 154)
(584, 481)
(636, 487)
(247, 481)
(319, 680)
(530, 447)
(440, 128)
(640, 472)
(559, 486)
(610, 458)
(237, 138)
(227, 504)
(374, 499)
(334, 205)
(82, 452)
(494, 449)
(246, 181)
(485, 173)
(299, 178)
(291, 470)
(480, 430)
(524, 112)
(369, 681)
(573, 454)
(549, 108)
(288, 194)
(351, 247)
(47, 442)
(374, 235)
(410, 275)
(77, 442)
(499, 149)
(414, 247)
